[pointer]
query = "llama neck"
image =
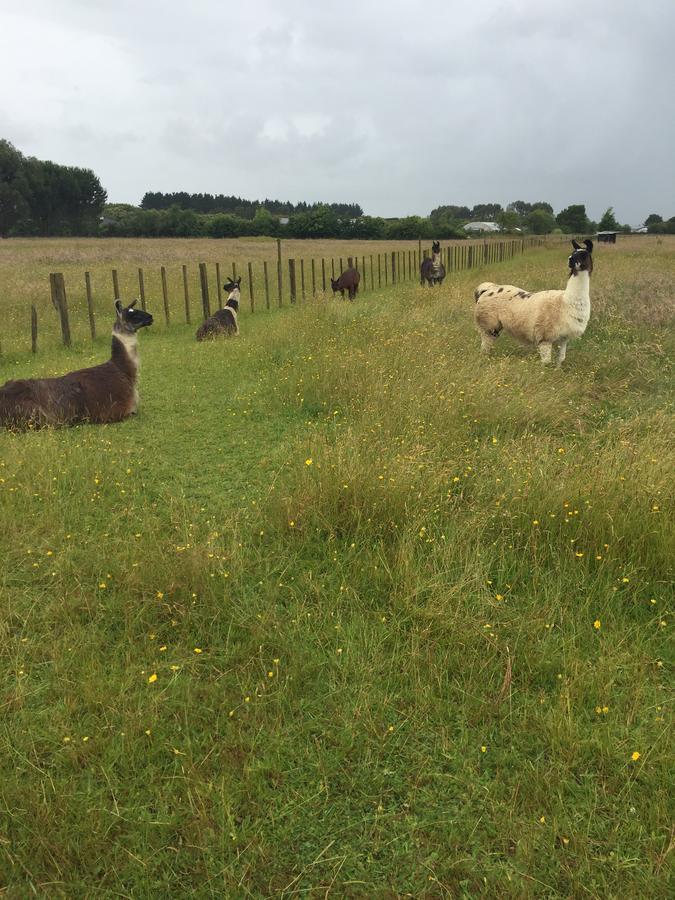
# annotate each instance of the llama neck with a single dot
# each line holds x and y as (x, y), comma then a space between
(125, 352)
(578, 292)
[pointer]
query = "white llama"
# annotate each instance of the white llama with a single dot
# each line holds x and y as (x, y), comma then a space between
(544, 318)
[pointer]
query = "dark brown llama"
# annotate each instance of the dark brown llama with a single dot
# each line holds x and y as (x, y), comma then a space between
(432, 270)
(101, 394)
(224, 321)
(348, 281)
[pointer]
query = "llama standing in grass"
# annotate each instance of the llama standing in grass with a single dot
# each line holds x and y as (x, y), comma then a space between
(432, 270)
(348, 281)
(224, 321)
(545, 317)
(105, 393)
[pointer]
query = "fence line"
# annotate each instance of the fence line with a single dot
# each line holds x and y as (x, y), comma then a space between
(392, 267)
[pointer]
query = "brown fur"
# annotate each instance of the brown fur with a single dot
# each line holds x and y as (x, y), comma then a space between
(348, 281)
(221, 322)
(104, 393)
(100, 394)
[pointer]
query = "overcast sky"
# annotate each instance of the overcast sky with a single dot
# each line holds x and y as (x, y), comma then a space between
(399, 106)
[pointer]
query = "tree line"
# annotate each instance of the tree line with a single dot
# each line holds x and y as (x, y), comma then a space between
(316, 221)
(38, 197)
(238, 206)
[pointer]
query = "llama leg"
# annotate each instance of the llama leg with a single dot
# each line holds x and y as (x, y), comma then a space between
(545, 348)
(562, 352)
(487, 341)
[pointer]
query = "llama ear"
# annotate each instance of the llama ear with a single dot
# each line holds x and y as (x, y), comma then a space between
(589, 245)
(119, 307)
(238, 281)
(576, 245)
(133, 303)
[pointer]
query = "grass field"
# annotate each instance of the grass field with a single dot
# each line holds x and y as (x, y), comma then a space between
(25, 265)
(347, 610)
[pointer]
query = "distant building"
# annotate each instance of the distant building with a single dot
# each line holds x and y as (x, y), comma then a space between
(606, 237)
(482, 226)
(283, 220)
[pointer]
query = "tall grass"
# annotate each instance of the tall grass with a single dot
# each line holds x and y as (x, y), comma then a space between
(407, 608)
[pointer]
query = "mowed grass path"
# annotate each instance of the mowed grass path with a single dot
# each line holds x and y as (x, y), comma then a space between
(348, 610)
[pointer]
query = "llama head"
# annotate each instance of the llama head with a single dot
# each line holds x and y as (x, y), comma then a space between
(581, 260)
(335, 284)
(232, 285)
(129, 319)
(436, 247)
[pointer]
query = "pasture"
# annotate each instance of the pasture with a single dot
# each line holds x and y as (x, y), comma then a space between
(346, 610)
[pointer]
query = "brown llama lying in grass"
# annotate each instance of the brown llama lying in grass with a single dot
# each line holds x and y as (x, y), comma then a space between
(223, 321)
(105, 393)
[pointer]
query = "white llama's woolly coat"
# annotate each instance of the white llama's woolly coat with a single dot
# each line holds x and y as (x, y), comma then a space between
(504, 291)
(540, 319)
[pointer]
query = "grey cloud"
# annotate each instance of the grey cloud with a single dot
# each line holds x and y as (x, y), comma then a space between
(400, 106)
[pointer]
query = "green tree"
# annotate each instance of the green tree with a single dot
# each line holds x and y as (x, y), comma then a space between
(542, 204)
(573, 219)
(539, 221)
(508, 220)
(652, 219)
(264, 222)
(608, 221)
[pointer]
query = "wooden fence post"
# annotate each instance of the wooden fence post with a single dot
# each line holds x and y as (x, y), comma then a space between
(267, 285)
(90, 305)
(313, 279)
(291, 278)
(165, 293)
(323, 275)
(393, 267)
(279, 274)
(204, 283)
(219, 286)
(302, 279)
(379, 271)
(116, 285)
(341, 268)
(332, 268)
(33, 329)
(58, 289)
(141, 287)
(186, 293)
(250, 287)
(372, 274)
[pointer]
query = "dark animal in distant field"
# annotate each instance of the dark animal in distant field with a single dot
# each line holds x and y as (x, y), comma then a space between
(105, 393)
(348, 281)
(432, 270)
(224, 321)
